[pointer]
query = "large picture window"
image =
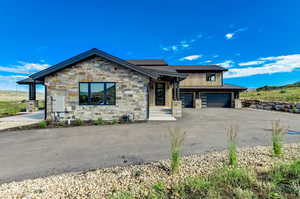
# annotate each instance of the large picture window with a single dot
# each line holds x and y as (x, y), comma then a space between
(97, 93)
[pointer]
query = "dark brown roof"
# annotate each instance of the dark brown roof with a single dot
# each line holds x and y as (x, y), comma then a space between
(29, 81)
(148, 62)
(187, 68)
(224, 87)
(198, 67)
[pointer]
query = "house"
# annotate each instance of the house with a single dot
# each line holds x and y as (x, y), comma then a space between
(95, 84)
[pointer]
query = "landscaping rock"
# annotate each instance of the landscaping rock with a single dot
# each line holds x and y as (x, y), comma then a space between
(137, 179)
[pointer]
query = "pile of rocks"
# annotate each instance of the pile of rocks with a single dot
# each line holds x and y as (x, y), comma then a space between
(137, 179)
(272, 105)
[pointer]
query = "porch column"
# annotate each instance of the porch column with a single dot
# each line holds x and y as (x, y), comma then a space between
(176, 103)
(32, 91)
(32, 104)
(176, 90)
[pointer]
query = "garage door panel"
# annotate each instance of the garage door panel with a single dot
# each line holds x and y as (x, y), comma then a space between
(217, 99)
(187, 99)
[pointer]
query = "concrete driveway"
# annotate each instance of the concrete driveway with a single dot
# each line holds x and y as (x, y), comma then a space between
(21, 120)
(36, 153)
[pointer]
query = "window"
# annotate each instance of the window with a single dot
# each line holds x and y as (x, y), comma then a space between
(211, 77)
(97, 93)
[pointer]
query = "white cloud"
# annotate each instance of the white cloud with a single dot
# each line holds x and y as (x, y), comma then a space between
(190, 57)
(226, 64)
(9, 82)
(208, 61)
(286, 63)
(24, 67)
(174, 48)
(232, 34)
(183, 44)
(251, 63)
(229, 35)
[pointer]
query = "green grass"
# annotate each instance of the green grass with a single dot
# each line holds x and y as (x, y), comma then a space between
(284, 95)
(8, 108)
(277, 134)
(232, 146)
(11, 108)
(239, 183)
(176, 139)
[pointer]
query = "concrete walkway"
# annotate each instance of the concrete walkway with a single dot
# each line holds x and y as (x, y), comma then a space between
(21, 120)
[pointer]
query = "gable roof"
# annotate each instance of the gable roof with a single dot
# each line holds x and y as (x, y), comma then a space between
(88, 54)
(148, 62)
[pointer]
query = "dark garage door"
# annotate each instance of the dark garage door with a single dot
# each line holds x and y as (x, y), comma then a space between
(187, 99)
(216, 100)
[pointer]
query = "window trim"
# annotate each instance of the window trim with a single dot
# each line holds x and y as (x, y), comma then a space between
(105, 94)
(207, 74)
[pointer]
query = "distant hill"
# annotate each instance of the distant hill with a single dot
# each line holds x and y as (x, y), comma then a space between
(17, 95)
(286, 93)
(268, 88)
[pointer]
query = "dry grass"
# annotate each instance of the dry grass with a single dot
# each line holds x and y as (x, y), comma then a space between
(284, 95)
(17, 96)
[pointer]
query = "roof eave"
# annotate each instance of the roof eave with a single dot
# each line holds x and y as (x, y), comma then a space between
(85, 55)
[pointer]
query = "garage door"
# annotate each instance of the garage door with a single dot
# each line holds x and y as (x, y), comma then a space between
(187, 99)
(216, 100)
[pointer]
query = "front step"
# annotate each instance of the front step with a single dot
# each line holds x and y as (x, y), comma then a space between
(161, 114)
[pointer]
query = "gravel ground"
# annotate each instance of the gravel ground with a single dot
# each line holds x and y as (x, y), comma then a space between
(102, 182)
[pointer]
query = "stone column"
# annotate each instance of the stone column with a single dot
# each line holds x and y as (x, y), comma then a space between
(237, 103)
(32, 106)
(198, 104)
(177, 108)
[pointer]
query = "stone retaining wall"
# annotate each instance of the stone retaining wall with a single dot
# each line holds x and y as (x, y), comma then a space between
(271, 105)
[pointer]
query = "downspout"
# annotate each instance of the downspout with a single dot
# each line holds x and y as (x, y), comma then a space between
(148, 100)
(45, 101)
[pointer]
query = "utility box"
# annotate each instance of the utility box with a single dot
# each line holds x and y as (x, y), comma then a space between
(58, 104)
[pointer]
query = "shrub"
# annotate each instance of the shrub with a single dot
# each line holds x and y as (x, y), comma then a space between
(42, 124)
(282, 91)
(277, 133)
(99, 121)
(158, 191)
(78, 122)
(232, 151)
(294, 108)
(61, 123)
(114, 121)
(177, 139)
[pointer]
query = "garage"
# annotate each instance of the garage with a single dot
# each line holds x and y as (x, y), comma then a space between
(216, 100)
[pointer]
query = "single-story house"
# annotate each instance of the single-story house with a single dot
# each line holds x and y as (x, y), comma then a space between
(95, 84)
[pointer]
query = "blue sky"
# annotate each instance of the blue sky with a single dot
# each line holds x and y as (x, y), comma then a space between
(257, 40)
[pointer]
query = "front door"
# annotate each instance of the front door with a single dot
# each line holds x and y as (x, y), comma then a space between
(160, 98)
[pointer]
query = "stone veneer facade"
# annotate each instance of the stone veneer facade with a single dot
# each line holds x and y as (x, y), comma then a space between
(131, 91)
